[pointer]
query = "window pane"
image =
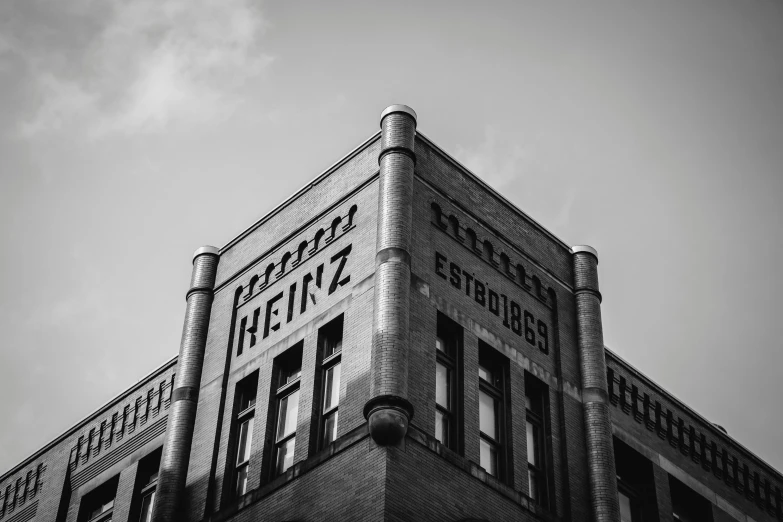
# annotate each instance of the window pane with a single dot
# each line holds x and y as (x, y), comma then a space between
(291, 375)
(146, 507)
(330, 428)
(440, 344)
(242, 474)
(102, 508)
(487, 422)
(532, 484)
(442, 386)
(625, 508)
(153, 477)
(285, 455)
(332, 387)
(486, 374)
(441, 427)
(244, 440)
(532, 443)
(247, 398)
(286, 420)
(332, 345)
(489, 457)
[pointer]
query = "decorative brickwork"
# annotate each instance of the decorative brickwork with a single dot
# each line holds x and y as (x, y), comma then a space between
(505, 261)
(21, 490)
(702, 443)
(297, 253)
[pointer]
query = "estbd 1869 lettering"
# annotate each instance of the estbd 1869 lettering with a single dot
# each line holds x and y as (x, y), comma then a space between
(312, 285)
(520, 321)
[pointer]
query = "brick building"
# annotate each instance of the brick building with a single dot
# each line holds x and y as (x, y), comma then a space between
(395, 341)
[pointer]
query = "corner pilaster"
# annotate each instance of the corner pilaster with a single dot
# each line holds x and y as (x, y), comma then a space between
(388, 411)
(598, 424)
(184, 398)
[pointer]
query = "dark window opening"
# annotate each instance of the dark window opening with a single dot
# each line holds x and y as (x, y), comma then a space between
(448, 384)
(687, 505)
(494, 444)
(539, 455)
(242, 432)
(635, 484)
(98, 504)
(144, 490)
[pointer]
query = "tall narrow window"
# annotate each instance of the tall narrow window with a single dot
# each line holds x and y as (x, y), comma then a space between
(288, 368)
(146, 484)
(448, 396)
(635, 484)
(493, 451)
(536, 400)
(244, 418)
(330, 341)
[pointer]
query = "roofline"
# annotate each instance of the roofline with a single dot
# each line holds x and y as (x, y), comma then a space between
(84, 420)
(696, 414)
(495, 192)
(307, 186)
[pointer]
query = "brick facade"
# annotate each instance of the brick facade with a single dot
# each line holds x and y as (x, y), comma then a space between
(395, 240)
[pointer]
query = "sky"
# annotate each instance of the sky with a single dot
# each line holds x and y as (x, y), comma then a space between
(134, 131)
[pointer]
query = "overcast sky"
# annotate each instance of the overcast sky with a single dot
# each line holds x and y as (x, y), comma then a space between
(134, 131)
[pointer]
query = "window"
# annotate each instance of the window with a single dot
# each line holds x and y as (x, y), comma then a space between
(635, 484)
(493, 369)
(288, 370)
(536, 400)
(244, 417)
(687, 505)
(330, 343)
(146, 483)
(448, 395)
(98, 504)
(628, 504)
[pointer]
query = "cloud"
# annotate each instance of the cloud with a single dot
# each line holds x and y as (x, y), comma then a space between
(498, 159)
(131, 66)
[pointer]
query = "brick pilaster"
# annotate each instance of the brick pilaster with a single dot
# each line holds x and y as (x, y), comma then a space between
(182, 417)
(598, 424)
(388, 410)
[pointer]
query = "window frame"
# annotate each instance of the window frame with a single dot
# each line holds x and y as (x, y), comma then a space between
(287, 377)
(492, 360)
(334, 329)
(450, 334)
(283, 392)
(633, 497)
(87, 509)
(537, 414)
(246, 391)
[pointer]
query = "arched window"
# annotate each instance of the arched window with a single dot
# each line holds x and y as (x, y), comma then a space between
(505, 263)
(251, 286)
(472, 240)
(489, 252)
(437, 215)
(454, 224)
(351, 214)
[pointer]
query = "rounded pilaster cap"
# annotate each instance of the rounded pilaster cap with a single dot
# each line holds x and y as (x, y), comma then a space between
(210, 250)
(399, 108)
(584, 248)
